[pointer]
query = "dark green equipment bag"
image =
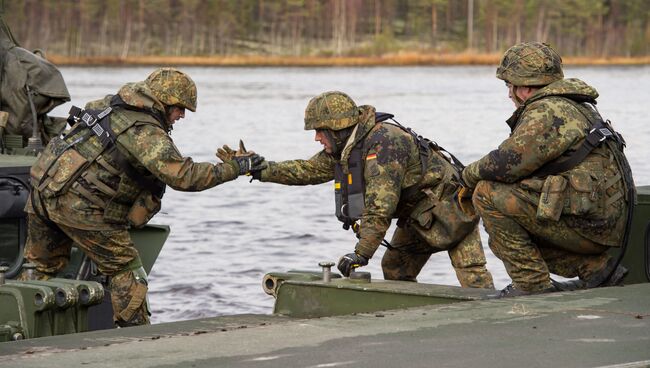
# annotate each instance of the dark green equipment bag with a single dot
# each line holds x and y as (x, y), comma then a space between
(30, 87)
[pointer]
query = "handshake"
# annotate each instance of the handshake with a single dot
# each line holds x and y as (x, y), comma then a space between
(249, 162)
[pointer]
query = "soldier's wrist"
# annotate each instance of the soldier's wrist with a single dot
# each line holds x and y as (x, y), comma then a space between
(363, 252)
(265, 173)
(468, 180)
(233, 167)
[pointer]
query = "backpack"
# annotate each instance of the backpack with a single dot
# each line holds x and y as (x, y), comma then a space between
(25, 76)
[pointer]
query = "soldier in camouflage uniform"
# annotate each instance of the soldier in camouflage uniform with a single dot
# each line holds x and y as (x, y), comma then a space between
(89, 188)
(382, 172)
(541, 213)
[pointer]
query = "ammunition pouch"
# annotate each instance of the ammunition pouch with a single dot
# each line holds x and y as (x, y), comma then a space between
(117, 208)
(579, 193)
(551, 199)
(144, 208)
(64, 166)
(56, 169)
(585, 196)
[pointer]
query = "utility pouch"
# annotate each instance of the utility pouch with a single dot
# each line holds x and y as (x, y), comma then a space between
(584, 197)
(45, 160)
(551, 199)
(56, 169)
(118, 208)
(440, 221)
(532, 184)
(143, 209)
(64, 173)
(422, 213)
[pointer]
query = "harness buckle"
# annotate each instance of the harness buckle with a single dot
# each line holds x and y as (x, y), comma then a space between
(606, 133)
(603, 133)
(88, 119)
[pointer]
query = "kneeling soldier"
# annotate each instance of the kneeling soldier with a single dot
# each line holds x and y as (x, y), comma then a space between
(555, 195)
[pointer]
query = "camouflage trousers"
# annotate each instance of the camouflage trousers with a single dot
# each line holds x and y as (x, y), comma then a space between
(410, 253)
(529, 248)
(111, 250)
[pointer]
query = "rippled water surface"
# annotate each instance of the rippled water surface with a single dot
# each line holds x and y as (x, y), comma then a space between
(225, 239)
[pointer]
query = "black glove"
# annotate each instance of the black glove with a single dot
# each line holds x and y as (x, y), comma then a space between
(249, 163)
(257, 174)
(350, 261)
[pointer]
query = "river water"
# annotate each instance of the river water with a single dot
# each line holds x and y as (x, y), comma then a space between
(225, 239)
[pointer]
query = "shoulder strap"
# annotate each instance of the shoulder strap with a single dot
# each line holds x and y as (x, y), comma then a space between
(599, 132)
(117, 101)
(424, 144)
(99, 125)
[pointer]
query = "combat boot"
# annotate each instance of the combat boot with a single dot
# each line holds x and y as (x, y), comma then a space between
(511, 291)
(569, 285)
(607, 277)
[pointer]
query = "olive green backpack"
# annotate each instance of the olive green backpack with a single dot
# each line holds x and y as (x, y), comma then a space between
(30, 87)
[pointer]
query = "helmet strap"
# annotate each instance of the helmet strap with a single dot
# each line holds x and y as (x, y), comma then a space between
(168, 111)
(338, 138)
(518, 100)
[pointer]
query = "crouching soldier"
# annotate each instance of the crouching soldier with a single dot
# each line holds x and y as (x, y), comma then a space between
(109, 173)
(555, 195)
(383, 171)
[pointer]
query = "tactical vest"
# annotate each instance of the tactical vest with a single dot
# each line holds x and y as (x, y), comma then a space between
(585, 184)
(349, 187)
(600, 139)
(601, 136)
(88, 162)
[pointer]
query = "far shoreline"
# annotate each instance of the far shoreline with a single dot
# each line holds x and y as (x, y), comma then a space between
(406, 59)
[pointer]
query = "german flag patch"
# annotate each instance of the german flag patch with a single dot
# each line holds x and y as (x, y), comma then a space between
(371, 156)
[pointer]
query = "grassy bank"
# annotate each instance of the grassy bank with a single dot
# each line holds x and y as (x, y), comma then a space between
(405, 59)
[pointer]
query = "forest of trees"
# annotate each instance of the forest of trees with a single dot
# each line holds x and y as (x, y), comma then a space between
(123, 28)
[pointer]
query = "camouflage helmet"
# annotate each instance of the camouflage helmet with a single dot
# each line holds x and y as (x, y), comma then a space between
(530, 64)
(331, 110)
(173, 88)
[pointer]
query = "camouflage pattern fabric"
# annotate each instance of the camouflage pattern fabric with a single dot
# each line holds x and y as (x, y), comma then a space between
(173, 88)
(578, 213)
(530, 64)
(410, 253)
(392, 165)
(129, 298)
(111, 250)
(530, 248)
(331, 110)
(146, 144)
(149, 149)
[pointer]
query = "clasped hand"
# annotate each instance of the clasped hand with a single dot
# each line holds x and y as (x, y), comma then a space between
(248, 161)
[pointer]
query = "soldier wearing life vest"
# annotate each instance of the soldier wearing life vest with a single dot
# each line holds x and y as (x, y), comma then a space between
(109, 173)
(555, 195)
(383, 171)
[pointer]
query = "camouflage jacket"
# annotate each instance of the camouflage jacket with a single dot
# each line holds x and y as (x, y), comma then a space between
(393, 167)
(148, 147)
(549, 126)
